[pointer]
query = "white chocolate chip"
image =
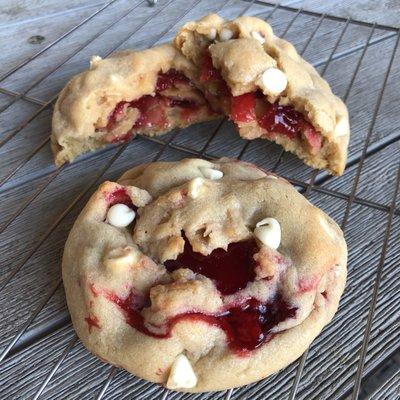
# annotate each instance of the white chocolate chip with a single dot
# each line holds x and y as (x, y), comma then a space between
(257, 35)
(342, 127)
(211, 173)
(181, 375)
(195, 186)
(94, 61)
(114, 78)
(273, 81)
(121, 257)
(212, 34)
(225, 34)
(268, 231)
(120, 215)
(327, 228)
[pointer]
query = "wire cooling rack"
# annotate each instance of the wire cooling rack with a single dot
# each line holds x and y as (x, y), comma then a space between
(39, 351)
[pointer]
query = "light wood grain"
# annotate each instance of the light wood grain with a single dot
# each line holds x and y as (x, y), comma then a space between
(386, 12)
(333, 358)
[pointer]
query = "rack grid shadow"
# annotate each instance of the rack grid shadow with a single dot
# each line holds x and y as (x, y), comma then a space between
(39, 351)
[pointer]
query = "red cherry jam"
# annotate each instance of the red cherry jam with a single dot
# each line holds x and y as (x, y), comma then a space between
(207, 70)
(250, 325)
(92, 322)
(249, 107)
(230, 270)
(243, 108)
(152, 112)
(153, 109)
(169, 79)
(119, 196)
(246, 326)
(275, 118)
(281, 119)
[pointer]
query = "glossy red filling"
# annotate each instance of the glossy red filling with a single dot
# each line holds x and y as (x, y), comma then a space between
(119, 196)
(230, 270)
(246, 326)
(249, 107)
(207, 70)
(169, 79)
(284, 120)
(153, 109)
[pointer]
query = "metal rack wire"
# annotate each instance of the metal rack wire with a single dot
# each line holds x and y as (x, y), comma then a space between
(315, 183)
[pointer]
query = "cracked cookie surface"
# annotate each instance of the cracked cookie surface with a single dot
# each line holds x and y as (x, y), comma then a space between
(262, 83)
(200, 280)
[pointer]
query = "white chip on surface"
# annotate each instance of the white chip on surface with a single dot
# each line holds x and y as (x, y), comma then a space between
(257, 35)
(225, 34)
(342, 127)
(212, 34)
(94, 61)
(195, 186)
(119, 258)
(120, 215)
(211, 173)
(273, 81)
(181, 375)
(268, 232)
(327, 228)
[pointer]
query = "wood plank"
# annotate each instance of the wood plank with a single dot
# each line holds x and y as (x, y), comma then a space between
(389, 390)
(14, 115)
(333, 358)
(20, 48)
(43, 269)
(386, 12)
(23, 11)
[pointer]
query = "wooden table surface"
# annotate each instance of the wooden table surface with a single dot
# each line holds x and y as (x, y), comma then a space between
(43, 43)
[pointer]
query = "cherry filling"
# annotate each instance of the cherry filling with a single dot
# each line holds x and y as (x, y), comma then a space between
(207, 71)
(246, 326)
(119, 196)
(249, 107)
(153, 110)
(169, 79)
(230, 270)
(92, 322)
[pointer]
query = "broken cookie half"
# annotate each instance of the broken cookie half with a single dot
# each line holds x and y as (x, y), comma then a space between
(267, 89)
(148, 92)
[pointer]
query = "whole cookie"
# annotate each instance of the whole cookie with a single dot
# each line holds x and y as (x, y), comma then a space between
(202, 275)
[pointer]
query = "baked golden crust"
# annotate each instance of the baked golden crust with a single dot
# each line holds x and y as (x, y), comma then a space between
(102, 263)
(87, 101)
(242, 59)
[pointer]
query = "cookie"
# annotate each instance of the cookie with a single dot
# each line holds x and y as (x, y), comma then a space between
(235, 68)
(201, 275)
(267, 88)
(147, 92)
